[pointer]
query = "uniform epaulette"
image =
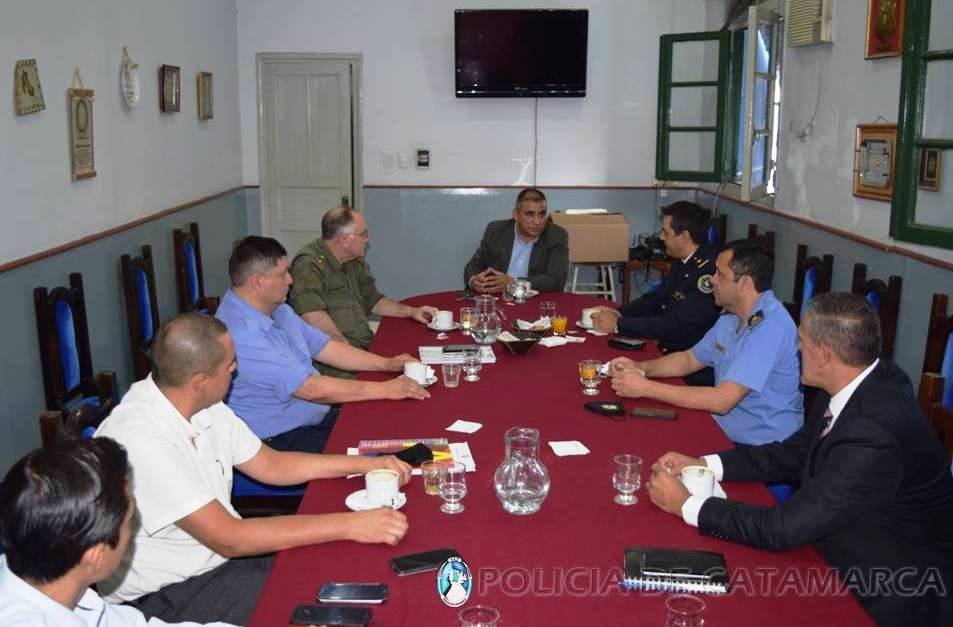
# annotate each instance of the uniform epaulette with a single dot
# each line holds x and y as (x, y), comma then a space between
(755, 319)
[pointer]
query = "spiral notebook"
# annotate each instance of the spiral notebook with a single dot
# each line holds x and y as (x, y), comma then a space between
(675, 570)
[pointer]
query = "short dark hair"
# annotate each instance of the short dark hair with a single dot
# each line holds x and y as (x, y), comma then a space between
(752, 259)
(58, 502)
(687, 216)
(254, 255)
(847, 324)
(335, 220)
(530, 194)
(185, 346)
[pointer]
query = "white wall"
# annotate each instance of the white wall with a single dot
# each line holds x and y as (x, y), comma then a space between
(815, 176)
(607, 138)
(146, 161)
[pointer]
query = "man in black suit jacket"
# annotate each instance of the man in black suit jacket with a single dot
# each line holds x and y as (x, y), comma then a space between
(876, 496)
(527, 246)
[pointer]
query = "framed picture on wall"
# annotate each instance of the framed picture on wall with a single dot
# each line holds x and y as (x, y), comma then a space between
(170, 89)
(874, 154)
(931, 161)
(82, 162)
(27, 92)
(204, 90)
(884, 28)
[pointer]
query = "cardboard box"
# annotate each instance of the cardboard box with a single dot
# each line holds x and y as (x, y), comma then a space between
(600, 238)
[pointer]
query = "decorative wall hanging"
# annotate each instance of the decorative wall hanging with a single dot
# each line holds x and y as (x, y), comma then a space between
(170, 88)
(931, 163)
(874, 153)
(27, 93)
(204, 90)
(129, 80)
(82, 163)
(884, 28)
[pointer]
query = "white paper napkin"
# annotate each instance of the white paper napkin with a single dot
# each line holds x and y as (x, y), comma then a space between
(506, 336)
(594, 332)
(465, 426)
(542, 323)
(555, 340)
(461, 453)
(569, 447)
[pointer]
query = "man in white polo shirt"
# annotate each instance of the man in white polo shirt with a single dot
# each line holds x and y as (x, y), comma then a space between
(183, 443)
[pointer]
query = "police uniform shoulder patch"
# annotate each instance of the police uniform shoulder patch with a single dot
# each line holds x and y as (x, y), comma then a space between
(704, 284)
(755, 319)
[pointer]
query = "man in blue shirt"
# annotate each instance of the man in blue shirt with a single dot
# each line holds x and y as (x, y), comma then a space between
(752, 348)
(277, 389)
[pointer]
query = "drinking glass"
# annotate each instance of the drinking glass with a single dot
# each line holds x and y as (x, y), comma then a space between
(452, 485)
(467, 316)
(431, 473)
(547, 309)
(451, 375)
(519, 290)
(479, 616)
(684, 610)
(627, 478)
(559, 322)
(471, 365)
(589, 376)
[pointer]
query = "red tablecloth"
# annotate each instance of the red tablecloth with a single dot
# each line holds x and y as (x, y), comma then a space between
(559, 566)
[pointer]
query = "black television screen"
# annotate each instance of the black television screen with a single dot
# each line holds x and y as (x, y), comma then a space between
(521, 53)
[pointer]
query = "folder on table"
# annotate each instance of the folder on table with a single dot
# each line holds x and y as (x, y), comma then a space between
(675, 570)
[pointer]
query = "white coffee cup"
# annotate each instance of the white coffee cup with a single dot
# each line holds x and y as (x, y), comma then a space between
(586, 317)
(418, 371)
(443, 319)
(698, 480)
(382, 488)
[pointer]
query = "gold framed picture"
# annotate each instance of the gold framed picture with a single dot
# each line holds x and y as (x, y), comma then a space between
(82, 158)
(875, 148)
(204, 90)
(27, 92)
(931, 164)
(170, 89)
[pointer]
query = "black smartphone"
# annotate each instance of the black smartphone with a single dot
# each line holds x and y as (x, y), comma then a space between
(421, 562)
(363, 593)
(653, 412)
(459, 348)
(627, 343)
(317, 615)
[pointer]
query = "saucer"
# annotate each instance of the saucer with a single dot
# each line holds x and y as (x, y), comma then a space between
(428, 382)
(433, 327)
(581, 325)
(357, 501)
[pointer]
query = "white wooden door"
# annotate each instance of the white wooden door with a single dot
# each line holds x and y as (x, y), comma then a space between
(307, 142)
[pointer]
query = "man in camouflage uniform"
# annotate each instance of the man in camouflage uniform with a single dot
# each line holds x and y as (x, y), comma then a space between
(333, 288)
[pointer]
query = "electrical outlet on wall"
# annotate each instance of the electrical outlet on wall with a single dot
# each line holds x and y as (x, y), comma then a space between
(403, 161)
(423, 158)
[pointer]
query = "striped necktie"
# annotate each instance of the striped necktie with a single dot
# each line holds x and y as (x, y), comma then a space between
(828, 420)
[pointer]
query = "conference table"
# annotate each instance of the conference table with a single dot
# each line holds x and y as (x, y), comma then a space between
(561, 565)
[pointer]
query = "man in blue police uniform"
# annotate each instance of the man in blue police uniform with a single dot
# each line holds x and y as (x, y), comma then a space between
(756, 398)
(681, 310)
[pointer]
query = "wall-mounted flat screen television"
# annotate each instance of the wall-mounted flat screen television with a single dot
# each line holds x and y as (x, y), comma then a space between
(511, 53)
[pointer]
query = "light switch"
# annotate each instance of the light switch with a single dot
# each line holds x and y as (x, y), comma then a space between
(423, 158)
(403, 161)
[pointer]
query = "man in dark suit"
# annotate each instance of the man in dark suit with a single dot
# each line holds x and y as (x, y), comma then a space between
(876, 496)
(527, 246)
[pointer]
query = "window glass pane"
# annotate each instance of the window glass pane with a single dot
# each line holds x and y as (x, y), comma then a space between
(937, 121)
(694, 106)
(762, 49)
(691, 151)
(757, 161)
(760, 103)
(941, 25)
(694, 61)
(935, 188)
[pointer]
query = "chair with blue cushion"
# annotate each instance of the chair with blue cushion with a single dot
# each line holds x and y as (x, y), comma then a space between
(76, 401)
(766, 239)
(142, 309)
(189, 281)
(936, 383)
(812, 276)
(718, 231)
(885, 298)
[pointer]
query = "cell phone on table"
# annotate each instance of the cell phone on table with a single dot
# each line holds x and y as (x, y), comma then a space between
(627, 343)
(363, 593)
(421, 562)
(318, 615)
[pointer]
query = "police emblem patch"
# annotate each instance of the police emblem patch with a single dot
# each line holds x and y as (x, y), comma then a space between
(704, 284)
(755, 319)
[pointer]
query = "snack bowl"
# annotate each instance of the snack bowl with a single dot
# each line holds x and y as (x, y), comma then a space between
(524, 343)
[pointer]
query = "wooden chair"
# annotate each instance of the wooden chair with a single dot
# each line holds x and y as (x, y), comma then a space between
(812, 276)
(885, 297)
(189, 280)
(936, 384)
(75, 399)
(142, 309)
(766, 239)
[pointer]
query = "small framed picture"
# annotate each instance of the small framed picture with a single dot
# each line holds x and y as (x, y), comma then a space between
(170, 89)
(875, 148)
(82, 155)
(26, 88)
(884, 28)
(204, 90)
(931, 161)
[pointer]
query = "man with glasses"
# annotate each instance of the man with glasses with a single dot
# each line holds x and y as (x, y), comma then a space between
(527, 246)
(333, 288)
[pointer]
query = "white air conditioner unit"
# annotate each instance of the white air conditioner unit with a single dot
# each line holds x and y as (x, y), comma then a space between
(808, 22)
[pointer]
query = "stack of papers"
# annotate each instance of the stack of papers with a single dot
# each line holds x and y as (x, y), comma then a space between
(435, 355)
